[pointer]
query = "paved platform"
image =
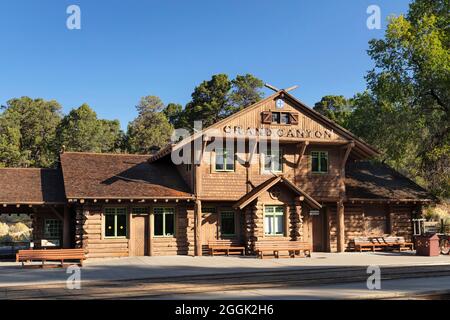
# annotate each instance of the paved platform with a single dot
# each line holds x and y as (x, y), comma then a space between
(11, 273)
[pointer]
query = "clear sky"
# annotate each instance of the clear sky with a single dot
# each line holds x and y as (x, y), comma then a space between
(127, 49)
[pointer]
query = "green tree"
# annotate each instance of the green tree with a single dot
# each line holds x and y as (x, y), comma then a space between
(82, 131)
(246, 90)
(27, 132)
(336, 108)
(410, 88)
(219, 97)
(174, 114)
(151, 129)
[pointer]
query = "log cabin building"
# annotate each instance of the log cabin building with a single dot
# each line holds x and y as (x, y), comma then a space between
(319, 185)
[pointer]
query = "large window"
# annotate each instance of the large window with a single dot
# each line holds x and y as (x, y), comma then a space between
(273, 161)
(53, 228)
(274, 220)
(319, 161)
(227, 224)
(115, 222)
(164, 222)
(224, 160)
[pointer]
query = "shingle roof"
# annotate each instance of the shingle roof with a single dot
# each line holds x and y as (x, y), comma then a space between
(370, 180)
(31, 186)
(92, 175)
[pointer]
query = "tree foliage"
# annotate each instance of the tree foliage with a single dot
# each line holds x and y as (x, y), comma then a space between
(82, 131)
(220, 97)
(151, 129)
(406, 110)
(336, 108)
(27, 132)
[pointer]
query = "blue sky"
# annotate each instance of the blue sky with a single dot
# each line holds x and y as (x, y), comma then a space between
(129, 49)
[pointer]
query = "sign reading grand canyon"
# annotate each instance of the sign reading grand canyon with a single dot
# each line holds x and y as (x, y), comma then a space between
(279, 132)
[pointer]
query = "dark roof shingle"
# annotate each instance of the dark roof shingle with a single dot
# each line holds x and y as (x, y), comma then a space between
(370, 180)
(120, 176)
(31, 186)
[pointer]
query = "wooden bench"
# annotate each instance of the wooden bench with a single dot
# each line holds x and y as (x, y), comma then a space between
(275, 247)
(225, 246)
(50, 255)
(380, 244)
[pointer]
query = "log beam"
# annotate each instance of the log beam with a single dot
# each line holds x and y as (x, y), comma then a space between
(198, 227)
(340, 226)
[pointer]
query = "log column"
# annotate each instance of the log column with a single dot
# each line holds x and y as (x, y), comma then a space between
(340, 226)
(198, 227)
(66, 228)
(151, 228)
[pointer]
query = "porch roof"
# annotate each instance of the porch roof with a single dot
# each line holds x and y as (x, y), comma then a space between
(119, 176)
(377, 181)
(252, 195)
(31, 186)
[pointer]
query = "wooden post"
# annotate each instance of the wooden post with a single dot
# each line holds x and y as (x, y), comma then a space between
(151, 228)
(340, 226)
(198, 228)
(66, 228)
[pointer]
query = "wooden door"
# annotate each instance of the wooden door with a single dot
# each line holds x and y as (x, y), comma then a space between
(319, 232)
(209, 228)
(140, 235)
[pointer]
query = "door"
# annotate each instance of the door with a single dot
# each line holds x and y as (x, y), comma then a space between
(140, 235)
(209, 228)
(319, 232)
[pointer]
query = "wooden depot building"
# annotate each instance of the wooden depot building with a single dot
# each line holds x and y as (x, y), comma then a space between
(319, 186)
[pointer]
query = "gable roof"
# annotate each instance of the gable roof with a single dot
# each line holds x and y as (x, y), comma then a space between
(263, 187)
(369, 180)
(31, 186)
(119, 176)
(362, 148)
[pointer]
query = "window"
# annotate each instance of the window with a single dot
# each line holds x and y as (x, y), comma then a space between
(53, 228)
(319, 161)
(274, 220)
(284, 118)
(275, 117)
(224, 160)
(227, 225)
(273, 161)
(164, 222)
(115, 222)
(281, 117)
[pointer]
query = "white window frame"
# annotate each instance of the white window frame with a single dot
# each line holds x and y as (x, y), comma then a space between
(225, 163)
(274, 214)
(263, 162)
(164, 214)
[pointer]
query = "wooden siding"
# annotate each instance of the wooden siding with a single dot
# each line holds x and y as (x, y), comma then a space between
(398, 217)
(89, 233)
(233, 185)
(252, 119)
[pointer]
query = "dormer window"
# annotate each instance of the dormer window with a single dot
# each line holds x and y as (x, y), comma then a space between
(269, 117)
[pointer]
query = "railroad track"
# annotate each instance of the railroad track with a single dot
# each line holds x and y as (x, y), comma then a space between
(162, 288)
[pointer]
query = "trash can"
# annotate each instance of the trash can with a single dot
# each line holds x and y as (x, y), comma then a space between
(428, 245)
